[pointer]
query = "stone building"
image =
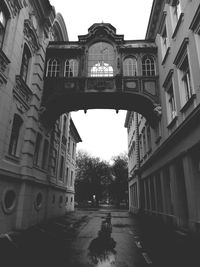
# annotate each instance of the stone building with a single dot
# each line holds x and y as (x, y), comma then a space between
(164, 162)
(37, 165)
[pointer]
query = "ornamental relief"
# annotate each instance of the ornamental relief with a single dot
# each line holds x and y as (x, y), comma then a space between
(15, 6)
(22, 94)
(31, 35)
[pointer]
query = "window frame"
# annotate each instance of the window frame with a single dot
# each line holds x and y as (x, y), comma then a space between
(53, 68)
(36, 157)
(25, 63)
(16, 130)
(148, 68)
(71, 68)
(130, 67)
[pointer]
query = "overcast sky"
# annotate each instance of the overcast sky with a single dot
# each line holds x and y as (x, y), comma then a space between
(102, 131)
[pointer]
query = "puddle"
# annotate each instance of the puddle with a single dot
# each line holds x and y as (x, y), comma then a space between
(102, 251)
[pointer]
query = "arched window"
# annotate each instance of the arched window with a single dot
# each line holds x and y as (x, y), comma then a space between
(53, 68)
(15, 134)
(71, 68)
(25, 63)
(148, 66)
(101, 60)
(3, 21)
(130, 67)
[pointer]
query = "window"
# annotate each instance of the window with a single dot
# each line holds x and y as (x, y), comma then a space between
(141, 148)
(45, 154)
(148, 66)
(130, 67)
(53, 68)
(69, 144)
(176, 11)
(37, 149)
(61, 174)
(3, 22)
(9, 201)
(67, 174)
(186, 79)
(71, 68)
(73, 151)
(25, 63)
(71, 182)
(149, 138)
(144, 141)
(54, 163)
(101, 58)
(64, 125)
(195, 27)
(164, 41)
(15, 134)
(171, 106)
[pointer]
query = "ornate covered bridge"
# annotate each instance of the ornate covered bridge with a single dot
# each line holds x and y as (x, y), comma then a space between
(101, 71)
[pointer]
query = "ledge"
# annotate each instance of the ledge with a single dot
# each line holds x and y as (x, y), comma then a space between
(172, 122)
(177, 25)
(188, 103)
(166, 55)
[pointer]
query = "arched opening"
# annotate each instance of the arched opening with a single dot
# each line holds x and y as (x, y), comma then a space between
(101, 58)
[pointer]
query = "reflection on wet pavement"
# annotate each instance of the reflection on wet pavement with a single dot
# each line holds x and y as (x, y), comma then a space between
(102, 249)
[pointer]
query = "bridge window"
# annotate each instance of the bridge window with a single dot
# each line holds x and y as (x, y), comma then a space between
(101, 60)
(130, 67)
(53, 68)
(71, 68)
(148, 66)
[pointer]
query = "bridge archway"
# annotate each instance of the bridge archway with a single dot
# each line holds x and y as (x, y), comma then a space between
(101, 70)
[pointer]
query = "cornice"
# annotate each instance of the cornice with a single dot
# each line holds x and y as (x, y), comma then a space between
(101, 31)
(156, 11)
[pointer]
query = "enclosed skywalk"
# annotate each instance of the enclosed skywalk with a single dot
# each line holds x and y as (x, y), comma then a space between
(101, 70)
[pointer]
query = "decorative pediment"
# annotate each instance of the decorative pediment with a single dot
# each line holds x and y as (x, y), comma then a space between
(195, 25)
(181, 53)
(101, 31)
(31, 35)
(15, 6)
(22, 93)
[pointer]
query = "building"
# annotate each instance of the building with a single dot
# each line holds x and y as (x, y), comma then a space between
(164, 162)
(35, 162)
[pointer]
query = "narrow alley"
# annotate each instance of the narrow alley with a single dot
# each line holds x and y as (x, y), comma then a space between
(100, 238)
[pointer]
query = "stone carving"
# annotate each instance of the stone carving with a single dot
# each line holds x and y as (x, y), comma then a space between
(22, 93)
(157, 110)
(150, 87)
(15, 6)
(100, 84)
(31, 35)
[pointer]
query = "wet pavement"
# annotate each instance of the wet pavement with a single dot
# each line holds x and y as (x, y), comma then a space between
(99, 238)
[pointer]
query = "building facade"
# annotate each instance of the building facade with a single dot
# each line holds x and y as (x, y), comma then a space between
(35, 162)
(164, 162)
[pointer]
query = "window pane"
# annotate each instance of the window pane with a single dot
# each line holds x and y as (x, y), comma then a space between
(101, 60)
